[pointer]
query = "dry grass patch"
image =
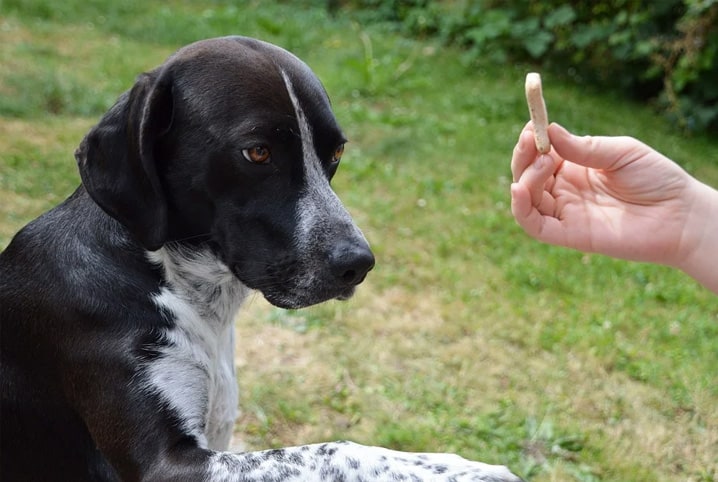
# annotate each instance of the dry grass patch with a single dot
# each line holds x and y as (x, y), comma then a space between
(379, 360)
(391, 368)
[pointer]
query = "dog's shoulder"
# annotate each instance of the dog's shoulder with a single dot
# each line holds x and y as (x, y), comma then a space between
(74, 263)
(56, 236)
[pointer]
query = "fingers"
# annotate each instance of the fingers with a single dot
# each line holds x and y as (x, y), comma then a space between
(528, 167)
(536, 177)
(536, 221)
(598, 152)
(531, 201)
(524, 152)
(523, 210)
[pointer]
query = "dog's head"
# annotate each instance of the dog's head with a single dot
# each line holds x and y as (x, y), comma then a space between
(232, 144)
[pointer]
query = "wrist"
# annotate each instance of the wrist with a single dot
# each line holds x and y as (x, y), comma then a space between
(699, 253)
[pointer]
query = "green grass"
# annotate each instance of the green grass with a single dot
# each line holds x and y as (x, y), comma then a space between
(468, 336)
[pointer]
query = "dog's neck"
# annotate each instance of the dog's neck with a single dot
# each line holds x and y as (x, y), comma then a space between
(201, 279)
(195, 373)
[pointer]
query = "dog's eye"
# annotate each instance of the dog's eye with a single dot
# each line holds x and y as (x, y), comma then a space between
(337, 156)
(257, 154)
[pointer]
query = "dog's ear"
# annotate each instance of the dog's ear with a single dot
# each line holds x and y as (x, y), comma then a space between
(117, 159)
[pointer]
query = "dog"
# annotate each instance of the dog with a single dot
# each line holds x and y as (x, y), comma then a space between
(208, 179)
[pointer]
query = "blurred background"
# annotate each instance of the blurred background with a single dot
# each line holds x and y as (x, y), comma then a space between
(468, 336)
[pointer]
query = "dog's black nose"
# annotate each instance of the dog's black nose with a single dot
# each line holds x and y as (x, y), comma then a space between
(350, 262)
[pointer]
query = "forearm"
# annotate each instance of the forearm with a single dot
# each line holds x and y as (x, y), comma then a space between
(700, 259)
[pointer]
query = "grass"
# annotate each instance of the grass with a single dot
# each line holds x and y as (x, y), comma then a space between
(467, 337)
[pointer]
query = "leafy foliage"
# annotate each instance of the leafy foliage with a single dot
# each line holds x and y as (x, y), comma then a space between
(665, 51)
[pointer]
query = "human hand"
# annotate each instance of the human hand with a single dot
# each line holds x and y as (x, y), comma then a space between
(610, 195)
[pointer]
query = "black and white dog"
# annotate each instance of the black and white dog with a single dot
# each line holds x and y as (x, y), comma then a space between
(208, 179)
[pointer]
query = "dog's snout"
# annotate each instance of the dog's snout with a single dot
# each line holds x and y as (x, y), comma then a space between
(350, 263)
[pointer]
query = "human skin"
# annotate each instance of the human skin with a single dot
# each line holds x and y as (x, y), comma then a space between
(615, 196)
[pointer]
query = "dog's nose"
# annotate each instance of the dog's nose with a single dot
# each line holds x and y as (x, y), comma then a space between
(350, 262)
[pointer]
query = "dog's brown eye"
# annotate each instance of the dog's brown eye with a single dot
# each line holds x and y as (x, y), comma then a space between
(257, 154)
(338, 153)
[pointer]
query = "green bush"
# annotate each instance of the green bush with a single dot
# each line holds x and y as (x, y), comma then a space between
(664, 51)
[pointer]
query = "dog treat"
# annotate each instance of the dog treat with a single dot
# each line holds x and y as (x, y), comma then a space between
(537, 110)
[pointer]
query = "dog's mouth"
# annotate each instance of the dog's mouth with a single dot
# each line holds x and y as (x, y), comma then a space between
(287, 288)
(304, 278)
(296, 299)
(348, 293)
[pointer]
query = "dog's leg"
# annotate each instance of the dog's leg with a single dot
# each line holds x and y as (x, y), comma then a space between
(348, 461)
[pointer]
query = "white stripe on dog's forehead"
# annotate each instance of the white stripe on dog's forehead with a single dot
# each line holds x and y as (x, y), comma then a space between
(318, 209)
(312, 164)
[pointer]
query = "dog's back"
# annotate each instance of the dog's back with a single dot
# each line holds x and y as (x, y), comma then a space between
(47, 287)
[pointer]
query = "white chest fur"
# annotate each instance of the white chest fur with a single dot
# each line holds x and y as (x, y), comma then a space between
(195, 372)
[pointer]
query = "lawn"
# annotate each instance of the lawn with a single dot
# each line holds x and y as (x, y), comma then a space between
(468, 336)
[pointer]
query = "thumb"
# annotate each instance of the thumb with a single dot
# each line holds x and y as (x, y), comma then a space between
(597, 152)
